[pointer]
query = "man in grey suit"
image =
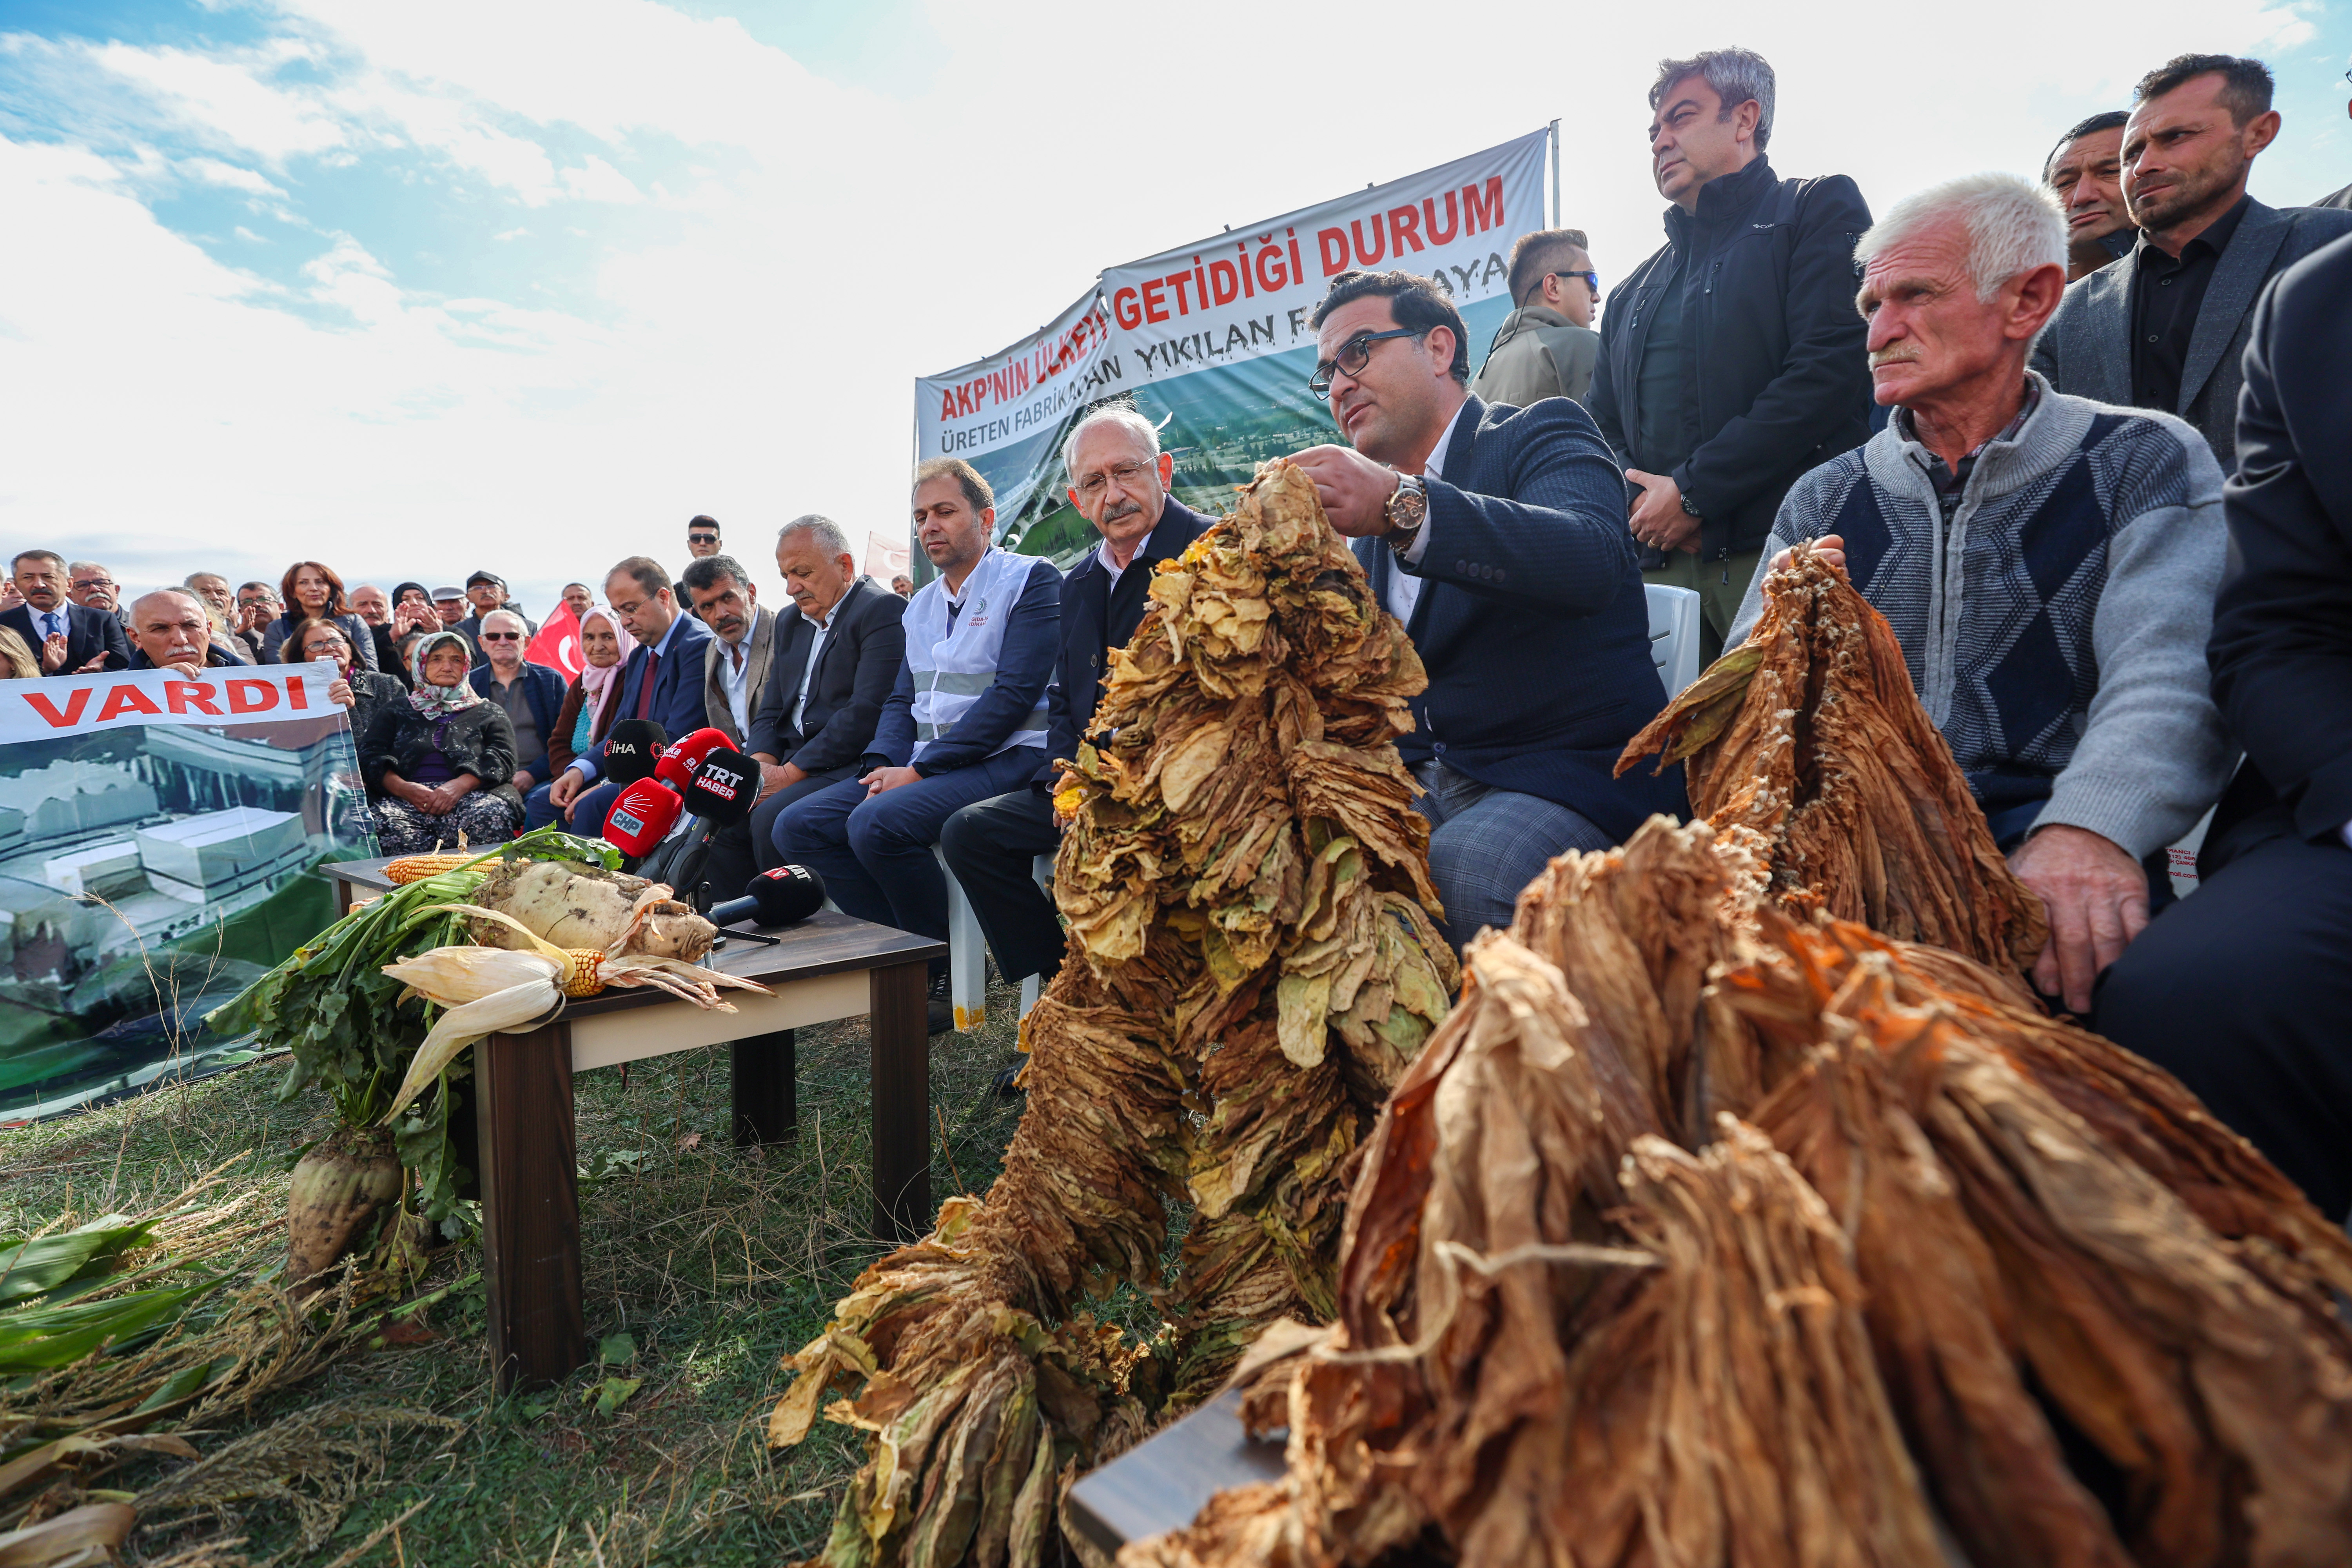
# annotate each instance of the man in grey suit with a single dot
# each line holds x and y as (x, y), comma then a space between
(2166, 327)
(743, 634)
(1545, 348)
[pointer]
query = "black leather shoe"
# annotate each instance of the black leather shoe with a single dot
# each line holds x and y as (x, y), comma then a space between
(939, 1003)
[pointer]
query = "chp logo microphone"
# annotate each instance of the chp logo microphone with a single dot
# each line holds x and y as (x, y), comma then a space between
(641, 818)
(678, 765)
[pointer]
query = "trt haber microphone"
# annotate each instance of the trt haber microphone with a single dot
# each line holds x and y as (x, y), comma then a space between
(642, 818)
(680, 763)
(776, 898)
(724, 788)
(631, 749)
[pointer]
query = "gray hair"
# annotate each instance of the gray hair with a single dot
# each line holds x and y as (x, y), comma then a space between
(830, 536)
(1737, 75)
(521, 625)
(2014, 226)
(1123, 414)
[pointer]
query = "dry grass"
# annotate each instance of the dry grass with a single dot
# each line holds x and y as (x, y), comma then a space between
(703, 1266)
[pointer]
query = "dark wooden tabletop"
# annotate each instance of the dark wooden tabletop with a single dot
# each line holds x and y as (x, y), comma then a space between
(1160, 1484)
(827, 943)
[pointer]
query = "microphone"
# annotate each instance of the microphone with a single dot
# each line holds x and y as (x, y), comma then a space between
(724, 788)
(776, 898)
(641, 818)
(678, 764)
(631, 748)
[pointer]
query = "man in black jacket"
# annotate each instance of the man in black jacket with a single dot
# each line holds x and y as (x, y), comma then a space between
(1119, 482)
(833, 658)
(66, 638)
(2243, 989)
(1497, 535)
(1731, 360)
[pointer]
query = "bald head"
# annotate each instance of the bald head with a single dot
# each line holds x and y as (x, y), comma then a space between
(168, 626)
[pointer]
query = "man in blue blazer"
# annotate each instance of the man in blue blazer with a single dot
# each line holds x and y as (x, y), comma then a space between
(662, 682)
(65, 637)
(1497, 535)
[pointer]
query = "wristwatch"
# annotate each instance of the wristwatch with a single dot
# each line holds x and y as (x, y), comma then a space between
(1688, 510)
(1407, 510)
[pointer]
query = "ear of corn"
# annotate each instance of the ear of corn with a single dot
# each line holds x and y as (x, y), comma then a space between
(460, 1026)
(416, 867)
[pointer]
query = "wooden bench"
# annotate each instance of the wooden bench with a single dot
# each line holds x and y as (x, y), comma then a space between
(823, 968)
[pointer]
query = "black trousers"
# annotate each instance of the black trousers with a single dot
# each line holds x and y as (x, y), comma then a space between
(989, 846)
(2244, 992)
(745, 849)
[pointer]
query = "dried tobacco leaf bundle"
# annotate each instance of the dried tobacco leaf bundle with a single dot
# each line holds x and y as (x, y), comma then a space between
(1947, 1249)
(1246, 887)
(1810, 734)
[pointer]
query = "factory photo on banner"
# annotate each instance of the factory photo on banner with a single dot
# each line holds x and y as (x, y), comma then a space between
(157, 841)
(1211, 340)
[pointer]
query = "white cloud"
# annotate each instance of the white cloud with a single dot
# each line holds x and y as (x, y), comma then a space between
(212, 172)
(226, 98)
(597, 181)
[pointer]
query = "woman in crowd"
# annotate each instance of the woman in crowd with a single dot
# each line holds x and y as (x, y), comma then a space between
(588, 706)
(366, 692)
(311, 591)
(16, 660)
(412, 612)
(438, 764)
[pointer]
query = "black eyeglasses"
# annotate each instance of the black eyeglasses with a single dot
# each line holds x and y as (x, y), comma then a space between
(1591, 281)
(702, 539)
(1354, 356)
(502, 637)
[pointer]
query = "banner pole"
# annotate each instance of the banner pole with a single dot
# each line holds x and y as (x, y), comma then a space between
(1555, 173)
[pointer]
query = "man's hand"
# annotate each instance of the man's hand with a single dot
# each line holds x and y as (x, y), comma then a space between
(565, 790)
(184, 671)
(775, 776)
(522, 781)
(1658, 519)
(2096, 896)
(1830, 547)
(97, 662)
(53, 653)
(881, 779)
(1353, 489)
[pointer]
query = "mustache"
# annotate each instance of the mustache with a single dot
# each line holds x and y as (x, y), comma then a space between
(1894, 354)
(1124, 508)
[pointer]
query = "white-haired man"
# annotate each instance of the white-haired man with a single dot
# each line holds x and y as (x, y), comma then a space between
(2048, 562)
(1119, 482)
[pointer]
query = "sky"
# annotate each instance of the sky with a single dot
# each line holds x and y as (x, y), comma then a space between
(419, 287)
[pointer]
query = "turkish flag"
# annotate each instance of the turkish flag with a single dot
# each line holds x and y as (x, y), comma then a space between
(557, 645)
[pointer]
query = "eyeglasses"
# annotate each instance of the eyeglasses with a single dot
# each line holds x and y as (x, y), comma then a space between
(1354, 356)
(702, 539)
(1591, 281)
(502, 636)
(93, 582)
(1092, 486)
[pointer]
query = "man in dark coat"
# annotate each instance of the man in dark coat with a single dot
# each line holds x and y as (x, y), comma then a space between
(1731, 360)
(831, 661)
(66, 638)
(2242, 990)
(2166, 328)
(1119, 482)
(1497, 535)
(662, 682)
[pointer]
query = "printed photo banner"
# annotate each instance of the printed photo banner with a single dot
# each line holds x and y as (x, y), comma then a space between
(157, 837)
(1211, 340)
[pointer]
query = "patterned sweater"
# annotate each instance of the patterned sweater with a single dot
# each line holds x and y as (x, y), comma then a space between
(2055, 629)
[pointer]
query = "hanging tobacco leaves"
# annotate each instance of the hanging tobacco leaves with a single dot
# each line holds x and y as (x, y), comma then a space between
(1252, 965)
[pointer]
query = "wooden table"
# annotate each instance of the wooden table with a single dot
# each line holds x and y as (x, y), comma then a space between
(826, 967)
(1160, 1484)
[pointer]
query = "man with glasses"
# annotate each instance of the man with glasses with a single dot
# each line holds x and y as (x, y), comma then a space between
(662, 682)
(68, 639)
(701, 538)
(1545, 347)
(1731, 360)
(531, 694)
(93, 587)
(486, 591)
(1497, 536)
(1118, 482)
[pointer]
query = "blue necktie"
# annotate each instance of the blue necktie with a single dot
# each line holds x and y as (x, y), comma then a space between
(57, 623)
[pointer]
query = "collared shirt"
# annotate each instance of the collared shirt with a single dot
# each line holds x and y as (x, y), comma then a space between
(514, 696)
(734, 666)
(816, 648)
(587, 766)
(1951, 480)
(1404, 589)
(2167, 294)
(53, 623)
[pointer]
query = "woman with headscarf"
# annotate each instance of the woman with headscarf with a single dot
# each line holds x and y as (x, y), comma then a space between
(311, 591)
(438, 764)
(412, 612)
(605, 645)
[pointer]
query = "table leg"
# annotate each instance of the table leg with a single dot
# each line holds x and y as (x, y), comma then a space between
(766, 1074)
(899, 1025)
(530, 1207)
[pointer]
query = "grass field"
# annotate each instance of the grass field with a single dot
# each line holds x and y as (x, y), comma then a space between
(703, 1266)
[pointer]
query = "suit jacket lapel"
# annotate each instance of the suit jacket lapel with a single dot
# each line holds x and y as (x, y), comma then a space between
(2111, 334)
(2238, 275)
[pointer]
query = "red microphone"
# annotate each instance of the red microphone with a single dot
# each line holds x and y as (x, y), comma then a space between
(641, 818)
(683, 759)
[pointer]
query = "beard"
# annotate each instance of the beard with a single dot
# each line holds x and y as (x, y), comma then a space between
(2191, 192)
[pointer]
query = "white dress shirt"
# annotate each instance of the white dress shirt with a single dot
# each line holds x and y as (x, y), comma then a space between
(734, 666)
(808, 670)
(1404, 589)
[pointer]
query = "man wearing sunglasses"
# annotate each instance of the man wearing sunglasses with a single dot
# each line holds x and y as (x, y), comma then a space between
(1497, 536)
(531, 694)
(701, 538)
(1545, 347)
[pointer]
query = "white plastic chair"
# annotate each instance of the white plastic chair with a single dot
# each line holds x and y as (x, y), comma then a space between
(968, 950)
(1674, 634)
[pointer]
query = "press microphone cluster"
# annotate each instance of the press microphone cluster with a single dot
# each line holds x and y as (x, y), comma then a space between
(700, 777)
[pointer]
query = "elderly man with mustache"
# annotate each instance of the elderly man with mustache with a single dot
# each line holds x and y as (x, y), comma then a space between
(2048, 562)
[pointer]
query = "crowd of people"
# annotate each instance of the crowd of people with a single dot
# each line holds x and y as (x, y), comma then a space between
(2046, 425)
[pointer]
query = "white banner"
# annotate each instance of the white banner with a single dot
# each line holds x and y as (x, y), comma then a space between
(1015, 403)
(50, 709)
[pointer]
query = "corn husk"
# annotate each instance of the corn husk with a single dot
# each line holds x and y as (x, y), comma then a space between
(1253, 964)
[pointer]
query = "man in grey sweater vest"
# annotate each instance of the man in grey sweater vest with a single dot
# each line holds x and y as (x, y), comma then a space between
(2048, 562)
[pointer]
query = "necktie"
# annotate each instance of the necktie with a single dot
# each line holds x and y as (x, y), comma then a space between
(646, 686)
(57, 622)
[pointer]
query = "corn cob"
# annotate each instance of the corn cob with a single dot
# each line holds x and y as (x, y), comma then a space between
(416, 867)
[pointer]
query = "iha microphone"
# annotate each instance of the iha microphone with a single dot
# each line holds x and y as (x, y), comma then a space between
(642, 818)
(724, 788)
(633, 748)
(776, 898)
(679, 764)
